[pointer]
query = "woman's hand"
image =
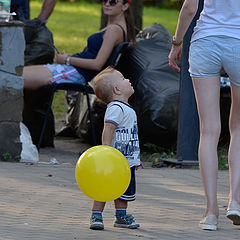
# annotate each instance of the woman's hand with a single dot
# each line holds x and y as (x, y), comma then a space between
(175, 54)
(61, 58)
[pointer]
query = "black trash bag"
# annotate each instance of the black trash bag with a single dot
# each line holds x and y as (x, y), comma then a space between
(39, 43)
(39, 50)
(156, 85)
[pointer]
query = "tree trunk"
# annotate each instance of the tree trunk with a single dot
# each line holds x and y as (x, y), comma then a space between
(137, 9)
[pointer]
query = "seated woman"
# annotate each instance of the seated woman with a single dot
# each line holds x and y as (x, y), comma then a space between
(82, 67)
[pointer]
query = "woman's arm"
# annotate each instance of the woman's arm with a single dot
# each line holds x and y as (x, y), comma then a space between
(186, 16)
(47, 8)
(111, 38)
(108, 133)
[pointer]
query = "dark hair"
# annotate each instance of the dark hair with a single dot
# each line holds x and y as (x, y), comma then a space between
(131, 32)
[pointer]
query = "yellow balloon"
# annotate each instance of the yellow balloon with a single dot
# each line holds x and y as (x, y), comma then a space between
(103, 173)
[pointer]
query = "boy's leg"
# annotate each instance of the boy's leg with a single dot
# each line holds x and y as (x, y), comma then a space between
(123, 219)
(98, 206)
(96, 221)
(121, 207)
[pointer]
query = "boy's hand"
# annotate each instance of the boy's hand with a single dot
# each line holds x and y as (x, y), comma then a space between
(140, 166)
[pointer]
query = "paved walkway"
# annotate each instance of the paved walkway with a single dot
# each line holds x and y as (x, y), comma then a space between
(43, 201)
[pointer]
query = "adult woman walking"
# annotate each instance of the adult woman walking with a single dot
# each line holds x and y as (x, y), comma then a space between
(82, 67)
(215, 44)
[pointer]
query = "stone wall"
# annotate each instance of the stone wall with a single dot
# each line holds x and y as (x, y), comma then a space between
(12, 46)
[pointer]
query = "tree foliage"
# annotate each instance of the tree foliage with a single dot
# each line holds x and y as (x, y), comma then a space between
(164, 3)
(158, 3)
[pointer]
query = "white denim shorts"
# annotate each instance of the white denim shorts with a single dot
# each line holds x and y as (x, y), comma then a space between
(207, 56)
(63, 73)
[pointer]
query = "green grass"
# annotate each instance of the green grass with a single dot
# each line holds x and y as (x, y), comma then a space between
(72, 22)
(168, 18)
(155, 156)
(223, 158)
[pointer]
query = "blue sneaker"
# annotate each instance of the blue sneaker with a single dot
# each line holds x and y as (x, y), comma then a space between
(126, 221)
(96, 222)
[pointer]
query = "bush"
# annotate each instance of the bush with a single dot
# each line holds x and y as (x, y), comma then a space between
(174, 4)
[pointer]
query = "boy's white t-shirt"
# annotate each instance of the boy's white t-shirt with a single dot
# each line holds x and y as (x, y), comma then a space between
(126, 135)
(218, 17)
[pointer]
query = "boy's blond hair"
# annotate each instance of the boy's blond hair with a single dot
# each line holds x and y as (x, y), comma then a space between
(102, 85)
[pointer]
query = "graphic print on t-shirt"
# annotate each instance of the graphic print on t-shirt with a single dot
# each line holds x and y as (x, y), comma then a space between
(126, 141)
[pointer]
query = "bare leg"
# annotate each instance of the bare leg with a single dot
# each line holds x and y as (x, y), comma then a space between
(122, 218)
(36, 77)
(96, 221)
(234, 148)
(120, 204)
(207, 92)
(98, 206)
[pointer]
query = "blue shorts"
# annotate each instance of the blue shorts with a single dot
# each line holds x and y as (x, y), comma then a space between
(129, 195)
(207, 56)
(63, 73)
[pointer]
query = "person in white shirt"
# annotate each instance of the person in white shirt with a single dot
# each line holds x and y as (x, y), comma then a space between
(121, 132)
(215, 44)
